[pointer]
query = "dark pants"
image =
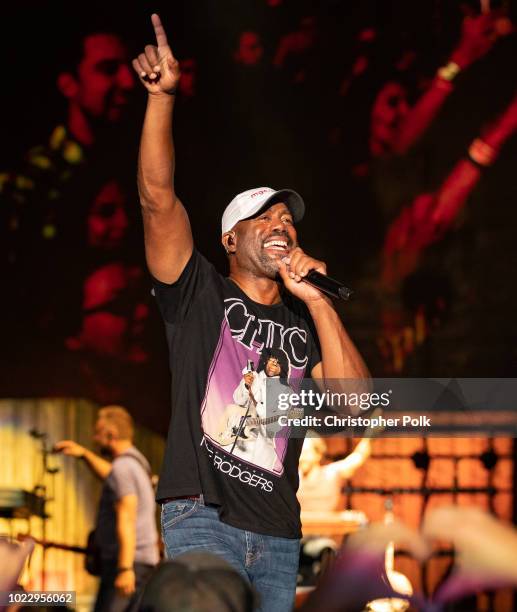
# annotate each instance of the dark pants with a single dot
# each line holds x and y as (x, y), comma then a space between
(108, 599)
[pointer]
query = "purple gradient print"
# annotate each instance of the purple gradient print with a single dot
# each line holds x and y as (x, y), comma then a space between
(245, 338)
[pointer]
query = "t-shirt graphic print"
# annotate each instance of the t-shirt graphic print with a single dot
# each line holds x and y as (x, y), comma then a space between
(235, 415)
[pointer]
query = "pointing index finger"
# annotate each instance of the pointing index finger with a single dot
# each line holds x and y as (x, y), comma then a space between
(161, 37)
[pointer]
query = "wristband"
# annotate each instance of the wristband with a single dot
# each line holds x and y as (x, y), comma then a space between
(481, 154)
(121, 570)
(449, 71)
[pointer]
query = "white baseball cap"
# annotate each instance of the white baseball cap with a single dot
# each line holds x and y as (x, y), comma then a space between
(246, 204)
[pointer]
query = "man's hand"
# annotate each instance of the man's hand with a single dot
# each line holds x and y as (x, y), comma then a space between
(485, 545)
(157, 67)
(292, 270)
(377, 536)
(125, 583)
(69, 447)
(97, 464)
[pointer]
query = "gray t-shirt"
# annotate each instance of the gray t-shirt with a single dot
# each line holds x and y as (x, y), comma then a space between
(130, 475)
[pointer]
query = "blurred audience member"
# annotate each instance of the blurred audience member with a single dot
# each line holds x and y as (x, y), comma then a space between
(395, 125)
(358, 575)
(198, 581)
(114, 312)
(486, 558)
(13, 556)
(106, 356)
(250, 50)
(40, 196)
(486, 549)
(425, 221)
(389, 111)
(96, 86)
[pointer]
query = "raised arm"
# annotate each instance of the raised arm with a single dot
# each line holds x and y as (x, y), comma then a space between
(168, 238)
(430, 216)
(478, 36)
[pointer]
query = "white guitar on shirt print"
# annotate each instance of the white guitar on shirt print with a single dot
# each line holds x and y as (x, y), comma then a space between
(234, 424)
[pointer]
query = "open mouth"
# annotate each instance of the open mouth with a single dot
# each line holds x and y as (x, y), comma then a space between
(277, 245)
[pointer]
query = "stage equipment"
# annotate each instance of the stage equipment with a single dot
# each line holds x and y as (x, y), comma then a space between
(18, 503)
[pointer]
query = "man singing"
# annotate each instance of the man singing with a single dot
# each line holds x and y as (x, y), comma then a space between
(211, 499)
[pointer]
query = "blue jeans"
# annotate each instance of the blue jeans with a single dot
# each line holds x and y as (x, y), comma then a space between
(269, 563)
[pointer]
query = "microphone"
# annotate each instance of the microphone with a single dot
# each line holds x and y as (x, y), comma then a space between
(250, 367)
(328, 285)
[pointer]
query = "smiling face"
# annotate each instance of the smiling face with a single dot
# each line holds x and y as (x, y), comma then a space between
(261, 242)
(272, 367)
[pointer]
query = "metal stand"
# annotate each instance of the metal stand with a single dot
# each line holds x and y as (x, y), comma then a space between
(42, 490)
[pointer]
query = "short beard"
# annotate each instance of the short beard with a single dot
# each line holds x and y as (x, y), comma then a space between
(269, 267)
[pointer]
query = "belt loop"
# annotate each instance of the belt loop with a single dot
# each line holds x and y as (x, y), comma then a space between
(201, 499)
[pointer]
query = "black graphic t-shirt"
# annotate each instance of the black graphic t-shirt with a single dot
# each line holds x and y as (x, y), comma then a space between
(215, 335)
